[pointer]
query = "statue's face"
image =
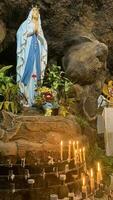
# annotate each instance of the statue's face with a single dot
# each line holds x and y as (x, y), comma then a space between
(35, 13)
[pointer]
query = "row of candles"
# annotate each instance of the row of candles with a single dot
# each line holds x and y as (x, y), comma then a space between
(73, 149)
(79, 155)
(92, 180)
(83, 178)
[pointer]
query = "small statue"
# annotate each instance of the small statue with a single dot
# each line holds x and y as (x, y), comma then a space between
(106, 98)
(108, 91)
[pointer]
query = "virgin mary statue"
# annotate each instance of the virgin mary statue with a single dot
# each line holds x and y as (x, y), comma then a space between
(31, 55)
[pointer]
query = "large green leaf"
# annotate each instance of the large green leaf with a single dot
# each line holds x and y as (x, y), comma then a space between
(6, 105)
(1, 105)
(4, 69)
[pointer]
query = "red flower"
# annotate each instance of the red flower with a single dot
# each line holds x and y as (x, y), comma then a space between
(48, 96)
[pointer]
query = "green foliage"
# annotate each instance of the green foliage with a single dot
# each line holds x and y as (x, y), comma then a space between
(57, 80)
(4, 69)
(9, 91)
(81, 121)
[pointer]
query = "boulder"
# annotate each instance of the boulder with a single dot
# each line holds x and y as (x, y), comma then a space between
(84, 62)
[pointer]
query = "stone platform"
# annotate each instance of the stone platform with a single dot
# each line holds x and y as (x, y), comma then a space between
(32, 132)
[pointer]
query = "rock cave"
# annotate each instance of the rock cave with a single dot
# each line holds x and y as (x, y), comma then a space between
(48, 154)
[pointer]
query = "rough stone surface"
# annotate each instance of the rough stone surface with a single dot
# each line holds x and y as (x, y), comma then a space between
(84, 61)
(36, 133)
(2, 31)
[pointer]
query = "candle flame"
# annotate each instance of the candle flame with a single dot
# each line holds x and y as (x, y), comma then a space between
(69, 142)
(91, 173)
(98, 167)
(83, 149)
(84, 156)
(75, 151)
(83, 181)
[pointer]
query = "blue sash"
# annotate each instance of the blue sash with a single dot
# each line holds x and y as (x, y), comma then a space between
(33, 56)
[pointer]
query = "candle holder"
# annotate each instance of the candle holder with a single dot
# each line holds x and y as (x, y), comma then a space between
(62, 177)
(31, 183)
(53, 197)
(98, 193)
(84, 195)
(23, 162)
(66, 168)
(10, 163)
(51, 160)
(37, 162)
(57, 172)
(84, 186)
(43, 174)
(63, 189)
(11, 176)
(27, 174)
(12, 187)
(71, 195)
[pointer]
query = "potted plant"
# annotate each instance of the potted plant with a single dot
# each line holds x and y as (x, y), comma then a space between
(46, 98)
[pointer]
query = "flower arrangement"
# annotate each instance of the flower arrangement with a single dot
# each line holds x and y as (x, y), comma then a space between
(47, 99)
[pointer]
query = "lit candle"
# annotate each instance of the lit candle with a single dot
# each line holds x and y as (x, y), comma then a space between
(84, 156)
(84, 159)
(98, 167)
(77, 144)
(73, 148)
(61, 150)
(75, 156)
(99, 174)
(92, 183)
(80, 154)
(69, 151)
(84, 187)
(84, 184)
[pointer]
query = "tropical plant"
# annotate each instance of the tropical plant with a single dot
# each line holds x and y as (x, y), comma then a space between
(56, 79)
(9, 91)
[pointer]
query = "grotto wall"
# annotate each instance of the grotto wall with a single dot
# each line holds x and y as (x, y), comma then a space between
(75, 29)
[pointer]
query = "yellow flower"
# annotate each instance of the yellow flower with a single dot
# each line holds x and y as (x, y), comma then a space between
(44, 89)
